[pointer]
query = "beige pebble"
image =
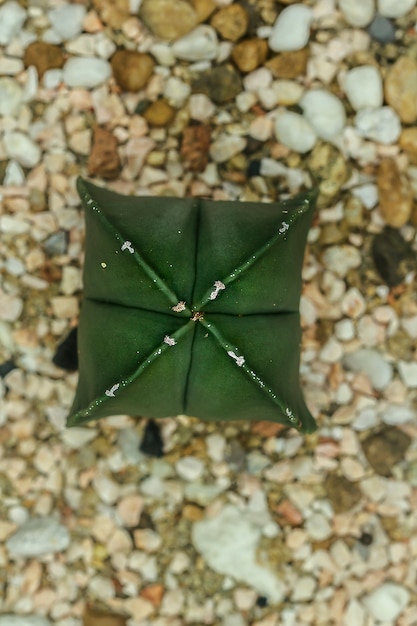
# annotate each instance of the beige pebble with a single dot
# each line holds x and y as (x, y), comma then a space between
(119, 542)
(147, 540)
(139, 607)
(250, 54)
(231, 22)
(11, 307)
(401, 88)
(65, 306)
(130, 509)
(395, 193)
(353, 303)
(168, 20)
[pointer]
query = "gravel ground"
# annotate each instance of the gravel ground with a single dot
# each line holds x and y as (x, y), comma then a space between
(130, 522)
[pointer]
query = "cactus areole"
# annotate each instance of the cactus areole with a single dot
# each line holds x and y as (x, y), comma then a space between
(191, 306)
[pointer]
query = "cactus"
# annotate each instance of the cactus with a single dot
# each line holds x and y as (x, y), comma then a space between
(191, 306)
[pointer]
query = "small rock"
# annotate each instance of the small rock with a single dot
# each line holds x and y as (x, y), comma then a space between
(21, 148)
(64, 306)
(357, 12)
(23, 620)
(395, 8)
(168, 20)
(94, 617)
(6, 367)
(66, 355)
(330, 169)
(353, 303)
(220, 83)
(408, 142)
(44, 56)
(56, 243)
(291, 30)
(131, 70)
(378, 370)
(396, 414)
(152, 443)
(250, 54)
(289, 64)
(85, 72)
(201, 107)
(317, 527)
(226, 146)
(385, 449)
(189, 468)
(11, 96)
(342, 493)
(382, 29)
(295, 132)
(67, 20)
(176, 91)
(159, 113)
(199, 45)
(195, 146)
(12, 18)
(408, 374)
(304, 589)
(401, 88)
(324, 111)
(390, 251)
(387, 602)
(76, 438)
(363, 86)
(104, 158)
(395, 194)
(38, 536)
(129, 509)
(231, 22)
(382, 124)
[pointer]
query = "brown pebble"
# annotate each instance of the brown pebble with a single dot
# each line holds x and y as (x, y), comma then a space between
(220, 83)
(401, 89)
(231, 22)
(44, 56)
(289, 64)
(250, 54)
(192, 513)
(385, 449)
(168, 19)
(104, 159)
(115, 14)
(159, 113)
(94, 617)
(154, 593)
(203, 9)
(408, 142)
(395, 194)
(342, 493)
(131, 70)
(195, 147)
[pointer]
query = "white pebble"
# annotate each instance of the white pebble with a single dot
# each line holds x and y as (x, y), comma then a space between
(317, 527)
(288, 92)
(382, 124)
(410, 326)
(21, 148)
(367, 194)
(52, 78)
(291, 30)
(199, 45)
(201, 107)
(11, 96)
(86, 72)
(38, 536)
(341, 259)
(324, 111)
(368, 418)
(295, 132)
(387, 602)
(331, 352)
(372, 363)
(226, 146)
(10, 66)
(396, 414)
(176, 91)
(23, 620)
(67, 20)
(189, 468)
(344, 330)
(258, 79)
(163, 54)
(78, 437)
(12, 18)
(357, 12)
(363, 87)
(11, 307)
(408, 373)
(303, 589)
(395, 8)
(14, 175)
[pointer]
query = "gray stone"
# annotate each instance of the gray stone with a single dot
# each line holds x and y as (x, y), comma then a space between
(56, 243)
(38, 536)
(382, 29)
(12, 18)
(378, 370)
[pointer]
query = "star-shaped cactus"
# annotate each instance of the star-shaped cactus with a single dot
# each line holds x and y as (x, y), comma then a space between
(191, 306)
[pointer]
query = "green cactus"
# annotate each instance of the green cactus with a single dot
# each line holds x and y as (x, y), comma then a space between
(191, 306)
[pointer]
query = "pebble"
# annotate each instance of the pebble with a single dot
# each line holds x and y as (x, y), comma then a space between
(12, 18)
(231, 22)
(387, 602)
(220, 83)
(303, 590)
(295, 132)
(395, 8)
(168, 20)
(381, 29)
(228, 544)
(11, 96)
(85, 72)
(131, 70)
(226, 146)
(342, 493)
(67, 20)
(291, 64)
(386, 448)
(6, 619)
(369, 361)
(395, 194)
(324, 111)
(401, 88)
(341, 259)
(38, 536)
(408, 142)
(20, 147)
(189, 468)
(357, 13)
(78, 437)
(44, 56)
(381, 124)
(344, 330)
(199, 45)
(104, 158)
(317, 527)
(408, 373)
(201, 107)
(291, 30)
(363, 87)
(11, 307)
(250, 54)
(177, 91)
(396, 414)
(56, 243)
